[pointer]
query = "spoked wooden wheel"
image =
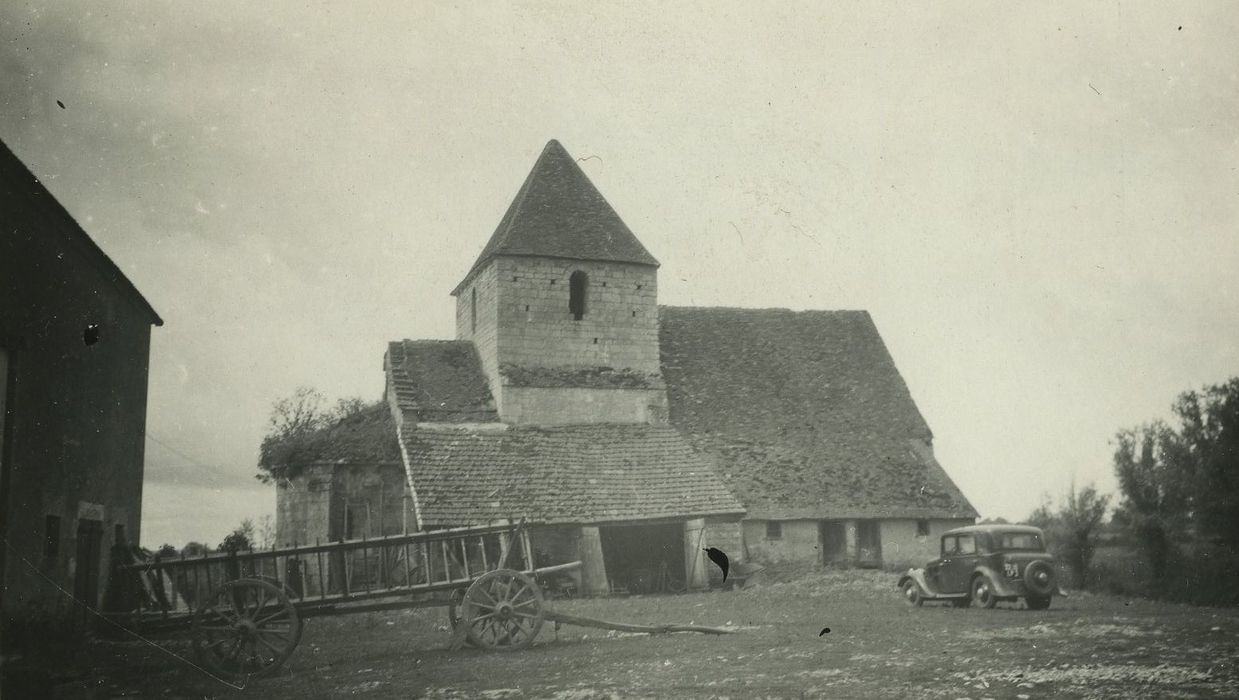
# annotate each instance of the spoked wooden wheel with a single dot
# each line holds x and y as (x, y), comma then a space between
(455, 605)
(246, 628)
(502, 610)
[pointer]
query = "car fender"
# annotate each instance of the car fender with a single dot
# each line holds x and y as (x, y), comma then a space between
(918, 575)
(1001, 588)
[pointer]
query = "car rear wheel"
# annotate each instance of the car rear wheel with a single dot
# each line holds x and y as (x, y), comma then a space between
(983, 592)
(1037, 602)
(912, 593)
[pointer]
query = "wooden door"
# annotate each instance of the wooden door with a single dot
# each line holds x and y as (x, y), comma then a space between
(89, 551)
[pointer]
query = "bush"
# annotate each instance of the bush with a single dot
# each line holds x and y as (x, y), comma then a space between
(1197, 574)
(1202, 574)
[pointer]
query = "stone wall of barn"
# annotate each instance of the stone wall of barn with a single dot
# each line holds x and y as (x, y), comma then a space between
(303, 506)
(798, 541)
(328, 502)
(902, 547)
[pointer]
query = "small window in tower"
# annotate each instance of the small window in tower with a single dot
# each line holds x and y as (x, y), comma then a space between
(774, 530)
(634, 314)
(578, 288)
(473, 310)
(922, 528)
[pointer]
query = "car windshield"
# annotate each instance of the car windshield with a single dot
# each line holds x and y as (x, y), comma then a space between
(1018, 540)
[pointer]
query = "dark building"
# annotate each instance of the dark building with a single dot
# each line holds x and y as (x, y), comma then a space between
(74, 348)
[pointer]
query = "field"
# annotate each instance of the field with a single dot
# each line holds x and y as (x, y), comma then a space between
(877, 647)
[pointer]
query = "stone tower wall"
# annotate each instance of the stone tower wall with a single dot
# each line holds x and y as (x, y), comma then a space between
(536, 328)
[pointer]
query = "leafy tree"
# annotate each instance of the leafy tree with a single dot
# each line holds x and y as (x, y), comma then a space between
(195, 549)
(1149, 464)
(1082, 517)
(1208, 458)
(1073, 528)
(242, 537)
(291, 425)
(166, 550)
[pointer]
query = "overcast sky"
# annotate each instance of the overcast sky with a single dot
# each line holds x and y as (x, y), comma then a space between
(1037, 203)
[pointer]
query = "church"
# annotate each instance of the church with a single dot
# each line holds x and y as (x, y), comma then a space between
(630, 435)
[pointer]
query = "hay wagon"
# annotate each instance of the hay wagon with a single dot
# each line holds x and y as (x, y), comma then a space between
(245, 610)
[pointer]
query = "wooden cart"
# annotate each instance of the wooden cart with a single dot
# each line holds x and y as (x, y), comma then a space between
(245, 610)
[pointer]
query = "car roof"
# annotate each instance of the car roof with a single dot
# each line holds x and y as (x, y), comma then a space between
(989, 529)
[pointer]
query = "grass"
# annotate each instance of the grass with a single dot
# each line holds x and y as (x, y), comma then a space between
(1084, 646)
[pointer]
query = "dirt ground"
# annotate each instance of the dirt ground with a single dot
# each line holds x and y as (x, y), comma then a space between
(1091, 646)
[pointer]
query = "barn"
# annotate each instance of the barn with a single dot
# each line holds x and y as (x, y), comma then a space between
(631, 434)
(74, 347)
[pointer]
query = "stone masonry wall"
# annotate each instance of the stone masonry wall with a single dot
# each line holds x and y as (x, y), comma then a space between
(483, 333)
(902, 547)
(619, 328)
(798, 541)
(303, 507)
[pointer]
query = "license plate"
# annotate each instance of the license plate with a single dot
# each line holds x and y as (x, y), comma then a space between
(1011, 569)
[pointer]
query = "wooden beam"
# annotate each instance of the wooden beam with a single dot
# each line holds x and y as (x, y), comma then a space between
(565, 618)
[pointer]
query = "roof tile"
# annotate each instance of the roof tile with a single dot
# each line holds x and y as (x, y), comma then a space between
(440, 381)
(805, 412)
(559, 213)
(573, 474)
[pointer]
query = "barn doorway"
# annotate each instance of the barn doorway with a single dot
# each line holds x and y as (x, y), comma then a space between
(833, 535)
(644, 558)
(868, 544)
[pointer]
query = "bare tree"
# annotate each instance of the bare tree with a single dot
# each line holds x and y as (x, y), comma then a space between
(266, 532)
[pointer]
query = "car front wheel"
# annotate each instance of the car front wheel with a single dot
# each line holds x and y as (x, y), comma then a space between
(1036, 602)
(983, 592)
(912, 593)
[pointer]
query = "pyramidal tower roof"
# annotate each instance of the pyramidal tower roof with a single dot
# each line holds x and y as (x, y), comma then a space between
(558, 213)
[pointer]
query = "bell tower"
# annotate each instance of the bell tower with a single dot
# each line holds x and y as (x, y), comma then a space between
(562, 306)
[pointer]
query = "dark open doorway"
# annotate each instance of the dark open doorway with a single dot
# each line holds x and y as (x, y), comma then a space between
(834, 542)
(644, 558)
(868, 543)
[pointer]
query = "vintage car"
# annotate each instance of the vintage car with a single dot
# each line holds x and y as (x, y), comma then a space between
(983, 564)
